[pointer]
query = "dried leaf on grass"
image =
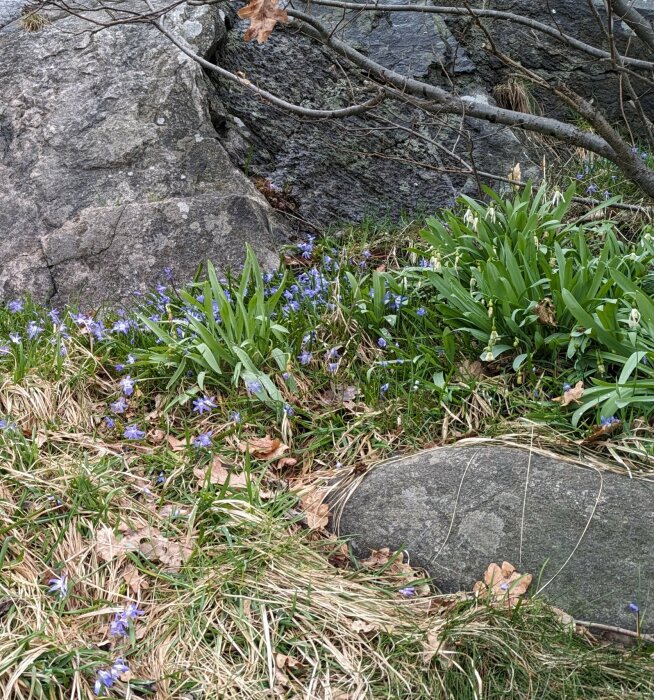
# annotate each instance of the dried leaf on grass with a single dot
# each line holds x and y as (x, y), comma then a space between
(396, 570)
(503, 584)
(219, 474)
(263, 448)
(148, 541)
(602, 431)
(571, 395)
(134, 579)
(363, 626)
(263, 16)
(109, 547)
(175, 444)
(316, 512)
(545, 312)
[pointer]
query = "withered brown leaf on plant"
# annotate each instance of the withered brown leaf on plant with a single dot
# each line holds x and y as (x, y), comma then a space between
(571, 395)
(263, 16)
(503, 584)
(545, 312)
(218, 474)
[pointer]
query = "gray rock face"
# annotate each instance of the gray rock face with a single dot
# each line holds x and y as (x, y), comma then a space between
(585, 537)
(383, 163)
(554, 60)
(110, 168)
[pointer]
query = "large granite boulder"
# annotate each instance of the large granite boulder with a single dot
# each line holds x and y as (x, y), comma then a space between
(110, 167)
(585, 535)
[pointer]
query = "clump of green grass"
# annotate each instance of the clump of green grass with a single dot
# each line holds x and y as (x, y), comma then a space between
(132, 475)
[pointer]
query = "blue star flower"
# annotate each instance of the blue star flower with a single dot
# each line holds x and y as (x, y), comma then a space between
(132, 432)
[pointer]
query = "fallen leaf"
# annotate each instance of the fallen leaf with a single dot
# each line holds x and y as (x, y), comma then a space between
(108, 546)
(219, 474)
(602, 431)
(503, 584)
(571, 395)
(175, 444)
(263, 16)
(363, 626)
(284, 661)
(286, 462)
(263, 448)
(471, 370)
(135, 581)
(545, 312)
(316, 512)
(377, 558)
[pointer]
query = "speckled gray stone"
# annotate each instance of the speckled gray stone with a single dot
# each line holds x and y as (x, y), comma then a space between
(110, 167)
(455, 510)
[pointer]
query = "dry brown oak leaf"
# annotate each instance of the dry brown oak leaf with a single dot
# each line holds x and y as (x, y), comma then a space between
(263, 16)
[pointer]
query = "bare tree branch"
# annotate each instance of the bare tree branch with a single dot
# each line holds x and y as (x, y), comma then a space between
(642, 28)
(492, 14)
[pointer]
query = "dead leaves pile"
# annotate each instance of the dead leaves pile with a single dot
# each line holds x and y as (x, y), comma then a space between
(503, 585)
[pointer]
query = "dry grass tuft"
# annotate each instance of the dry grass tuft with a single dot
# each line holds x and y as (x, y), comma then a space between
(36, 402)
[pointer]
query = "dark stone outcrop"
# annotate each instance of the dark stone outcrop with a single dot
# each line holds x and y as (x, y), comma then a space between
(387, 162)
(585, 535)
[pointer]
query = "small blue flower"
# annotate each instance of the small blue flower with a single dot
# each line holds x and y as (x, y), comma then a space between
(610, 420)
(119, 626)
(132, 432)
(119, 406)
(132, 612)
(59, 584)
(288, 410)
(407, 592)
(121, 326)
(382, 342)
(15, 306)
(203, 440)
(286, 376)
(33, 330)
(119, 367)
(103, 681)
(203, 404)
(127, 385)
(235, 417)
(304, 357)
(421, 311)
(119, 667)
(5, 350)
(131, 359)
(168, 273)
(634, 608)
(254, 387)
(109, 422)
(566, 387)
(384, 388)
(592, 188)
(161, 478)
(332, 367)
(15, 338)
